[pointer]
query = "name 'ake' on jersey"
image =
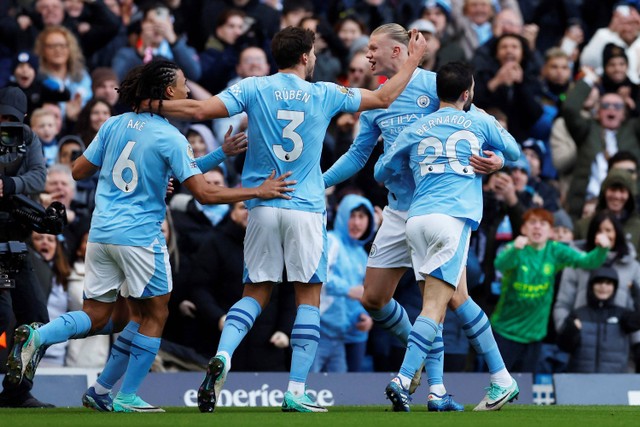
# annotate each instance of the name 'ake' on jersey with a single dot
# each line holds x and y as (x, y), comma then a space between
(137, 153)
(288, 119)
(416, 101)
(439, 147)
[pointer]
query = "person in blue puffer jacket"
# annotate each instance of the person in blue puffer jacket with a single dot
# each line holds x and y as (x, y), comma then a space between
(342, 318)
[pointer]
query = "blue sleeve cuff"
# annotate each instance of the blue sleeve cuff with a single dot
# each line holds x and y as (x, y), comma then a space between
(211, 160)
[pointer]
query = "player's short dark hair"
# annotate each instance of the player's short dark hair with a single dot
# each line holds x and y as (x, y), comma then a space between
(289, 44)
(148, 81)
(452, 79)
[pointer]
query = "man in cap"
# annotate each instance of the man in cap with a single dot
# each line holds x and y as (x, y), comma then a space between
(20, 173)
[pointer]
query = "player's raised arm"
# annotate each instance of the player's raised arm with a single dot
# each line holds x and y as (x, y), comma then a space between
(356, 157)
(383, 97)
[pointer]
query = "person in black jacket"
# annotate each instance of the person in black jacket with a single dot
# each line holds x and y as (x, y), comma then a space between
(23, 172)
(215, 284)
(506, 82)
(596, 334)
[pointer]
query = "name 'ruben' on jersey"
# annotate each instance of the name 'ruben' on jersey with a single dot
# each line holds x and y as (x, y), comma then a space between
(439, 147)
(417, 100)
(136, 153)
(288, 119)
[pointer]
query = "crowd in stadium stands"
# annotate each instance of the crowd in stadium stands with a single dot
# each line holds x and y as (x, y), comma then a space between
(563, 76)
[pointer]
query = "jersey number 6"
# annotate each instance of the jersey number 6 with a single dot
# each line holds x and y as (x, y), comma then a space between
(123, 163)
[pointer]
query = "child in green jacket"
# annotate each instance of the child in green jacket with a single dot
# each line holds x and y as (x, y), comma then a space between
(529, 265)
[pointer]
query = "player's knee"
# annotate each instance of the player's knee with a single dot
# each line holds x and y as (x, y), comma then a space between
(98, 322)
(99, 317)
(373, 302)
(457, 300)
(159, 315)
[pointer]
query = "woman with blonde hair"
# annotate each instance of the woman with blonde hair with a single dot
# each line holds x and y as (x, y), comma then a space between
(62, 66)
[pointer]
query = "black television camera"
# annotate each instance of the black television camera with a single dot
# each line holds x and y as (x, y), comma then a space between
(18, 212)
(14, 137)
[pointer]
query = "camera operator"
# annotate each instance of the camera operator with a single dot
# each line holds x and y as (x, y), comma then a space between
(22, 171)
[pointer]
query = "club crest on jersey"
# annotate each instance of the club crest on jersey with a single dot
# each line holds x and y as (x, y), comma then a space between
(190, 152)
(374, 250)
(346, 91)
(423, 101)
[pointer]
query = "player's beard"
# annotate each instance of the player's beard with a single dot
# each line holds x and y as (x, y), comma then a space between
(310, 70)
(467, 105)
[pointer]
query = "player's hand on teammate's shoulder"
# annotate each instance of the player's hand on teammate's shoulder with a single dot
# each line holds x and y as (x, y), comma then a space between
(278, 187)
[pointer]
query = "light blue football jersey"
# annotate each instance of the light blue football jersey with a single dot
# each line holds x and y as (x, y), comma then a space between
(137, 153)
(438, 148)
(417, 100)
(288, 119)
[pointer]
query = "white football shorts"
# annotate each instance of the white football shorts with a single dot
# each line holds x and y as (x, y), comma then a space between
(277, 238)
(134, 271)
(439, 246)
(390, 248)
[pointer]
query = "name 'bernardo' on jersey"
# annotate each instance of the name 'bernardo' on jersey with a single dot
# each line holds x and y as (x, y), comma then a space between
(458, 119)
(137, 125)
(290, 94)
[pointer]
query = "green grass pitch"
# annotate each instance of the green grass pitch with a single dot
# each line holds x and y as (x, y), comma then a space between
(366, 416)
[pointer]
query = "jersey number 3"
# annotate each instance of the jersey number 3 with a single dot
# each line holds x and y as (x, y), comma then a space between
(125, 163)
(448, 150)
(289, 132)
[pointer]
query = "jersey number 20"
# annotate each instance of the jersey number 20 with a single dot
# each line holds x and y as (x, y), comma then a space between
(448, 150)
